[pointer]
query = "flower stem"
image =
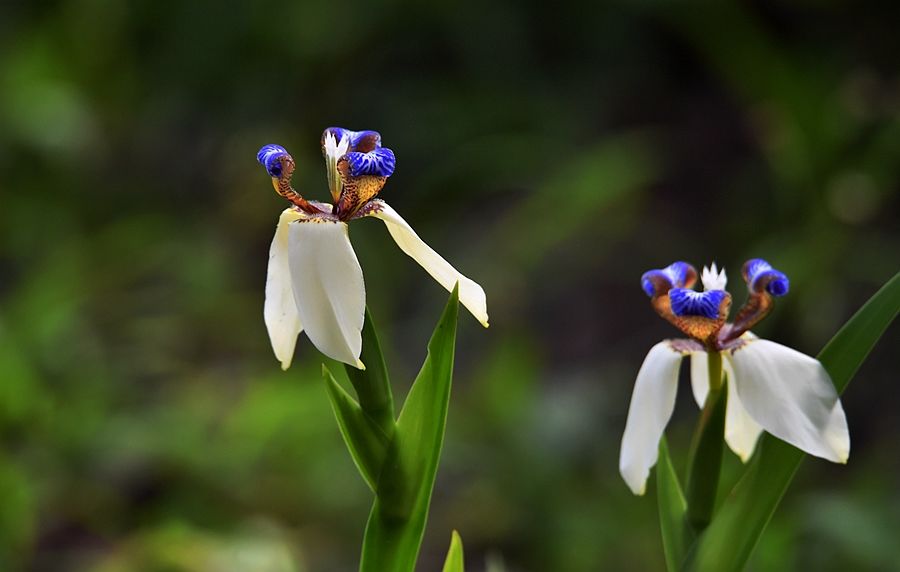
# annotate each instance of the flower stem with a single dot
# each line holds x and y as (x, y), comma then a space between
(705, 460)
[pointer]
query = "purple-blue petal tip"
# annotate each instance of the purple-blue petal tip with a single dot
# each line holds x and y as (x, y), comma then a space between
(687, 302)
(760, 275)
(779, 285)
(379, 162)
(676, 275)
(268, 157)
(647, 284)
(362, 141)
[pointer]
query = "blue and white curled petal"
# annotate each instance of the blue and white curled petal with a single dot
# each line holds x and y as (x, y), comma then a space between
(760, 276)
(362, 141)
(268, 156)
(380, 162)
(687, 302)
(676, 275)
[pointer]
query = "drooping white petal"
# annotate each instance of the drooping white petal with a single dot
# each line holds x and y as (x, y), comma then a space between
(471, 295)
(792, 397)
(652, 403)
(328, 287)
(280, 311)
(741, 431)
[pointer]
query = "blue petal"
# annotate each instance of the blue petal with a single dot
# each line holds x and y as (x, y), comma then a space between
(647, 282)
(362, 141)
(676, 275)
(380, 163)
(691, 303)
(759, 274)
(680, 273)
(269, 156)
(779, 285)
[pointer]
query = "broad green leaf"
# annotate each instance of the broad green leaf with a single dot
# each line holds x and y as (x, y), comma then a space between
(373, 385)
(454, 562)
(397, 521)
(728, 542)
(367, 441)
(677, 535)
(705, 464)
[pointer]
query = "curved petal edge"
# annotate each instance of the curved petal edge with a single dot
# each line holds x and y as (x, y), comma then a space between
(471, 295)
(279, 310)
(652, 404)
(792, 397)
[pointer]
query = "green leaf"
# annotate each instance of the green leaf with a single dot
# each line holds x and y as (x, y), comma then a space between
(454, 562)
(705, 464)
(397, 521)
(373, 385)
(728, 542)
(367, 441)
(677, 536)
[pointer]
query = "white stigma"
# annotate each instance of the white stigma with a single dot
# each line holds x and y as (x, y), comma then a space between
(334, 150)
(713, 278)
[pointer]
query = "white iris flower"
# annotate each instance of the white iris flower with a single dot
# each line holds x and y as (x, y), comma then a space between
(769, 386)
(314, 280)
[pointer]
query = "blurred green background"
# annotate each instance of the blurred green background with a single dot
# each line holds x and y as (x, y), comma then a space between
(551, 151)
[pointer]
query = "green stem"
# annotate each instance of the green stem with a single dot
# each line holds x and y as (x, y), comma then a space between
(705, 460)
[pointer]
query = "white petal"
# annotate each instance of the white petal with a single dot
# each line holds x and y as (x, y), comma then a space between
(699, 377)
(471, 295)
(741, 431)
(652, 403)
(280, 312)
(328, 287)
(792, 397)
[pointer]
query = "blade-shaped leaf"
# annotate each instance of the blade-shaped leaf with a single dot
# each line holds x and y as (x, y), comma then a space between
(373, 385)
(367, 441)
(454, 562)
(728, 542)
(397, 521)
(677, 535)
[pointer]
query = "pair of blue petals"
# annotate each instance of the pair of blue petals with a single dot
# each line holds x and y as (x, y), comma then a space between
(758, 273)
(375, 161)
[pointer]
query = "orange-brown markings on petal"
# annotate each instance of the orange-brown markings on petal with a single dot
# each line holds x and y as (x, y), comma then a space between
(319, 219)
(700, 328)
(370, 208)
(357, 191)
(283, 186)
(366, 143)
(686, 346)
(661, 284)
(757, 307)
(690, 277)
(734, 345)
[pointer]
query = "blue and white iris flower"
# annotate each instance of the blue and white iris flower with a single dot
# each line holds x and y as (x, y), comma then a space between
(769, 386)
(314, 280)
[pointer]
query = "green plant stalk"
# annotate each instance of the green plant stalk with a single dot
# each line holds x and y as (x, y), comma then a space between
(705, 461)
